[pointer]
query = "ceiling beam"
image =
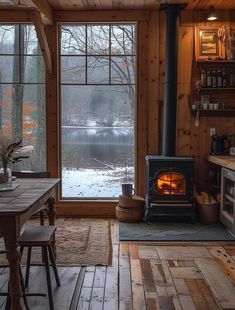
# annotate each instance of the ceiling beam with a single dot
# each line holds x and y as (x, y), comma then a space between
(192, 4)
(41, 34)
(17, 16)
(43, 7)
(102, 16)
(30, 16)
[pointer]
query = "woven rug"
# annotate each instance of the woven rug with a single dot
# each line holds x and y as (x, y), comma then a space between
(79, 242)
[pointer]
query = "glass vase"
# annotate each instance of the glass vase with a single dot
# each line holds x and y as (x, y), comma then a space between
(6, 178)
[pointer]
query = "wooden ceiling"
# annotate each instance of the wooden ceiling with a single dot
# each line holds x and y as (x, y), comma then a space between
(120, 4)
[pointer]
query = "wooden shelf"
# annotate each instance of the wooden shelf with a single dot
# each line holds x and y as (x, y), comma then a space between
(215, 88)
(216, 62)
(219, 112)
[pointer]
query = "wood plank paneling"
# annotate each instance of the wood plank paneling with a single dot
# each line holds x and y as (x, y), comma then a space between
(137, 285)
(142, 106)
(153, 83)
(86, 208)
(141, 279)
(138, 4)
(101, 16)
(184, 89)
(220, 285)
(162, 40)
(192, 140)
(125, 292)
(225, 261)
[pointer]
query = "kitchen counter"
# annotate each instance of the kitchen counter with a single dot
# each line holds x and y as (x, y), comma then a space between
(227, 161)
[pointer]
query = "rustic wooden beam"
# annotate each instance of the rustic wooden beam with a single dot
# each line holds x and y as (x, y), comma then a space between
(192, 4)
(18, 16)
(36, 17)
(102, 16)
(43, 7)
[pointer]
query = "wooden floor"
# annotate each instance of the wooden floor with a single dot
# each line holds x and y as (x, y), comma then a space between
(144, 276)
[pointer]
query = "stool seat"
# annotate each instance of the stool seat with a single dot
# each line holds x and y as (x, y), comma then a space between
(40, 236)
(37, 235)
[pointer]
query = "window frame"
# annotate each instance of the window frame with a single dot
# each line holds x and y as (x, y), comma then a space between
(20, 80)
(110, 55)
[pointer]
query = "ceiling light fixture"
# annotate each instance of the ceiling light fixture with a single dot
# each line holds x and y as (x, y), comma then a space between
(211, 15)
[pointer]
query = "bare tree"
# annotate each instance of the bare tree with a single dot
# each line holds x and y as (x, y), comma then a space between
(27, 118)
(106, 47)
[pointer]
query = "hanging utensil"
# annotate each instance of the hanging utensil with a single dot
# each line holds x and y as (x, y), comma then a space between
(197, 119)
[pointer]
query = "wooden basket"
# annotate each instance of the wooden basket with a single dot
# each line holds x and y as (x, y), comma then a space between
(208, 213)
(129, 215)
(131, 202)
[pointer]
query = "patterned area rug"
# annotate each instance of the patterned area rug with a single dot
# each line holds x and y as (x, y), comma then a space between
(79, 242)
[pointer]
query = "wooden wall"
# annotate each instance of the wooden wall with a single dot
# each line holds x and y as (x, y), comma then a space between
(191, 140)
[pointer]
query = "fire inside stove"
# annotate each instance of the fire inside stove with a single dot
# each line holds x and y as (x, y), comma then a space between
(171, 183)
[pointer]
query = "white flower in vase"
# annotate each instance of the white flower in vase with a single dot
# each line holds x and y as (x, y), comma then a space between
(11, 152)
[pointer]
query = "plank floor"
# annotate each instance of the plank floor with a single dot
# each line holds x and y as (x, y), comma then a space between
(143, 276)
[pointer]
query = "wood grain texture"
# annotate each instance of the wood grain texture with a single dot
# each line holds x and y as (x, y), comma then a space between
(28, 195)
(142, 106)
(184, 88)
(43, 7)
(16, 207)
(223, 161)
(52, 110)
(153, 83)
(42, 38)
(118, 4)
(137, 4)
(191, 141)
(143, 276)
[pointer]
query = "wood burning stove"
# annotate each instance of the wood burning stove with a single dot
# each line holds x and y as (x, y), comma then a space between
(169, 178)
(169, 188)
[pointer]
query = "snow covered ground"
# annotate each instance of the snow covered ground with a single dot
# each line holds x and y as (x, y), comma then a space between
(95, 183)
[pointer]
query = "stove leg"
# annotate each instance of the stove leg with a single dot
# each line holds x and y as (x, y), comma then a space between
(194, 218)
(147, 217)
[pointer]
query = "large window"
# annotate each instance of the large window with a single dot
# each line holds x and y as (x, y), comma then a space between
(22, 98)
(97, 109)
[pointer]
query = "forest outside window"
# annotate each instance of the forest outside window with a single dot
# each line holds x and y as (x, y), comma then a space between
(22, 92)
(97, 109)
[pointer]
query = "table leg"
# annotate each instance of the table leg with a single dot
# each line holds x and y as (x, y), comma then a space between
(51, 218)
(13, 257)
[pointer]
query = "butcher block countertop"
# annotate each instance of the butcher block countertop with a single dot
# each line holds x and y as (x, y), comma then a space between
(227, 161)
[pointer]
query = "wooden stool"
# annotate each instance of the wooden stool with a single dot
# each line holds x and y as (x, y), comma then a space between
(6, 294)
(40, 236)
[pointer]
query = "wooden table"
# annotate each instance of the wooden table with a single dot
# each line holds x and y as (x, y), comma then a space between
(16, 207)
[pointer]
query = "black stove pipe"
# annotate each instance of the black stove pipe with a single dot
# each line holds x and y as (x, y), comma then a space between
(171, 68)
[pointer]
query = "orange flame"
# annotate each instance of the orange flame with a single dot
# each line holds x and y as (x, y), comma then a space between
(171, 184)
